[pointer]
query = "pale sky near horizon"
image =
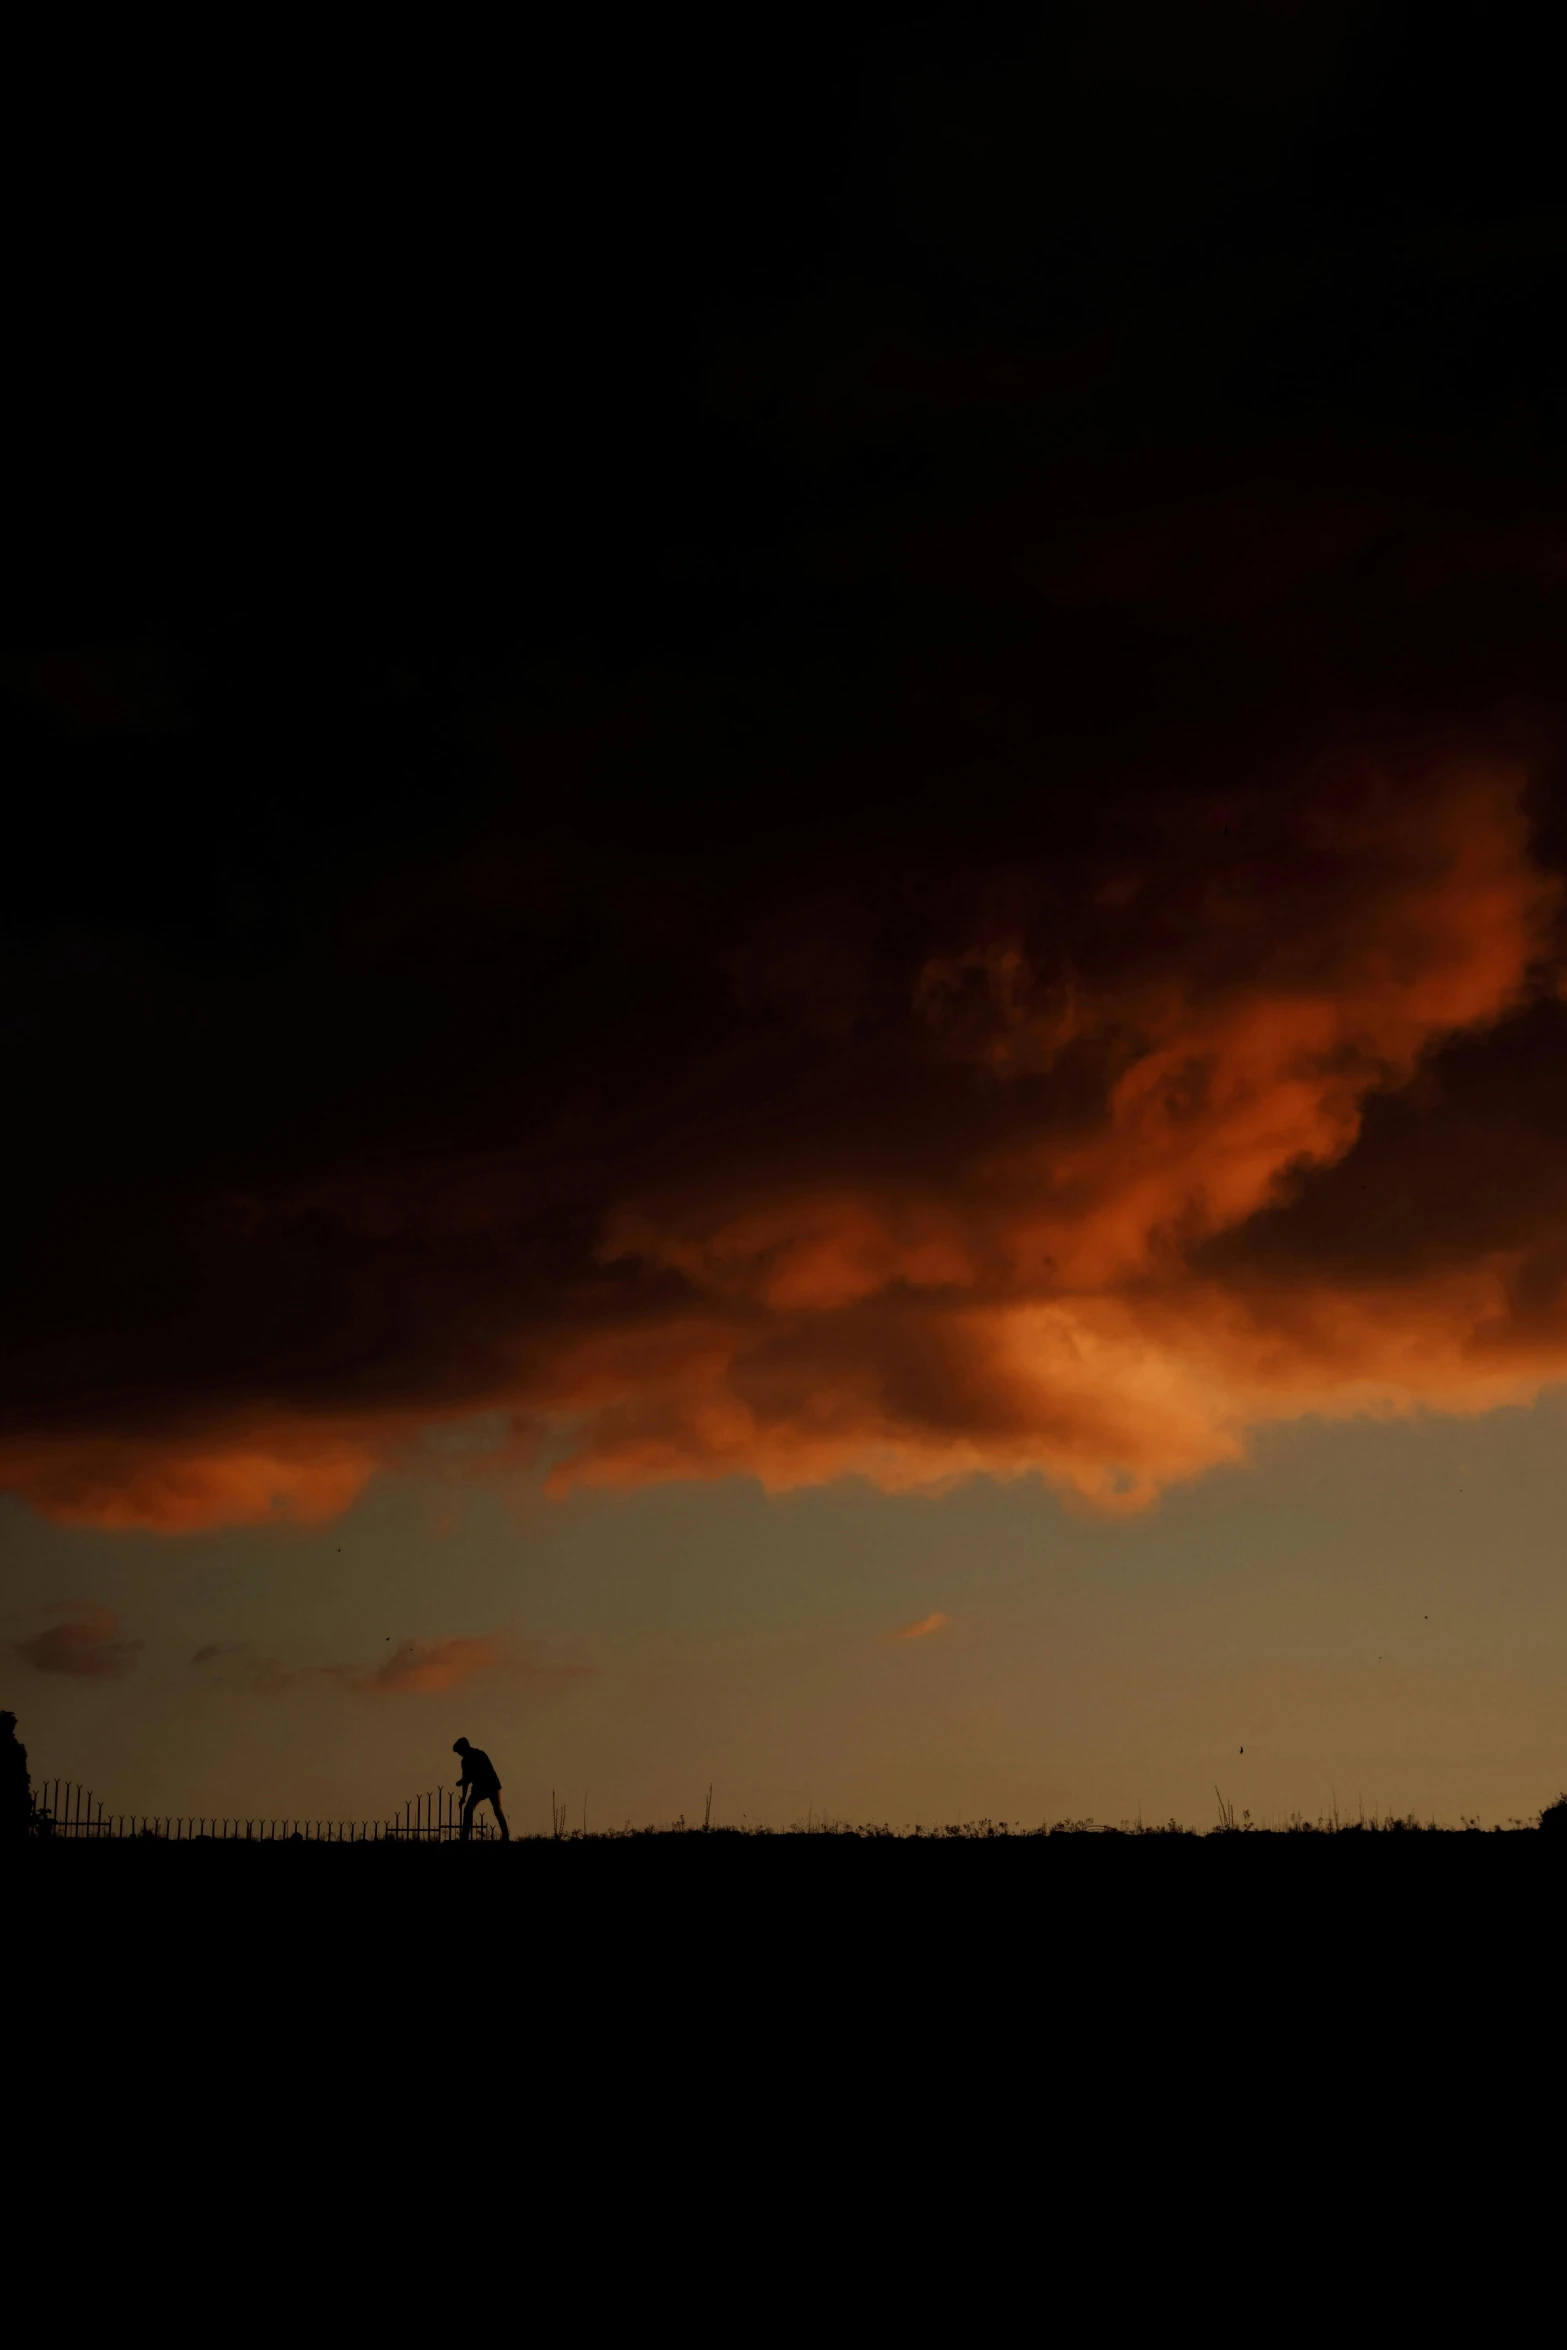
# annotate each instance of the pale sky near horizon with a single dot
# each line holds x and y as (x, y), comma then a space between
(1374, 1612)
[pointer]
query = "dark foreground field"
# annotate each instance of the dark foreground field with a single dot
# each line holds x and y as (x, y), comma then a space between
(626, 2011)
(715, 1911)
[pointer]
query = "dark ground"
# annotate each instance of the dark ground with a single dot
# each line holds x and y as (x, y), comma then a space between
(701, 1916)
(598, 2058)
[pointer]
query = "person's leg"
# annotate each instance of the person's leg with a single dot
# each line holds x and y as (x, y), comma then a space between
(468, 1802)
(495, 1806)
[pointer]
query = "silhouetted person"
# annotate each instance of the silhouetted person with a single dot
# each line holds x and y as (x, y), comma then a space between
(16, 1788)
(479, 1784)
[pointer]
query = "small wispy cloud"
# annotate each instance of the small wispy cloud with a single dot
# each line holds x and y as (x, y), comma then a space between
(411, 1668)
(425, 1667)
(85, 1642)
(234, 1666)
(422, 1667)
(921, 1628)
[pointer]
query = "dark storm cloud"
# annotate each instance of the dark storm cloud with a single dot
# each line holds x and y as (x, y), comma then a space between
(909, 821)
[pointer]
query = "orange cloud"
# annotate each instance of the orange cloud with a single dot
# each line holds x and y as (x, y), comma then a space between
(172, 1484)
(1048, 1307)
(1099, 1191)
(86, 1644)
(424, 1668)
(920, 1629)
(412, 1668)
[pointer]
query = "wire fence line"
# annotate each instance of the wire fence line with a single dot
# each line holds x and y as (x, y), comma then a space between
(62, 1808)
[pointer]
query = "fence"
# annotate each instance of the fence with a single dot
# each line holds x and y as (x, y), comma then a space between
(62, 1808)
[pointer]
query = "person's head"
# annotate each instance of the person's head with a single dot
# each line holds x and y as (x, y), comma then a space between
(461, 1746)
(7, 1724)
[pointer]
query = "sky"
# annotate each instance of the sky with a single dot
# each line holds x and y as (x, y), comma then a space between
(784, 940)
